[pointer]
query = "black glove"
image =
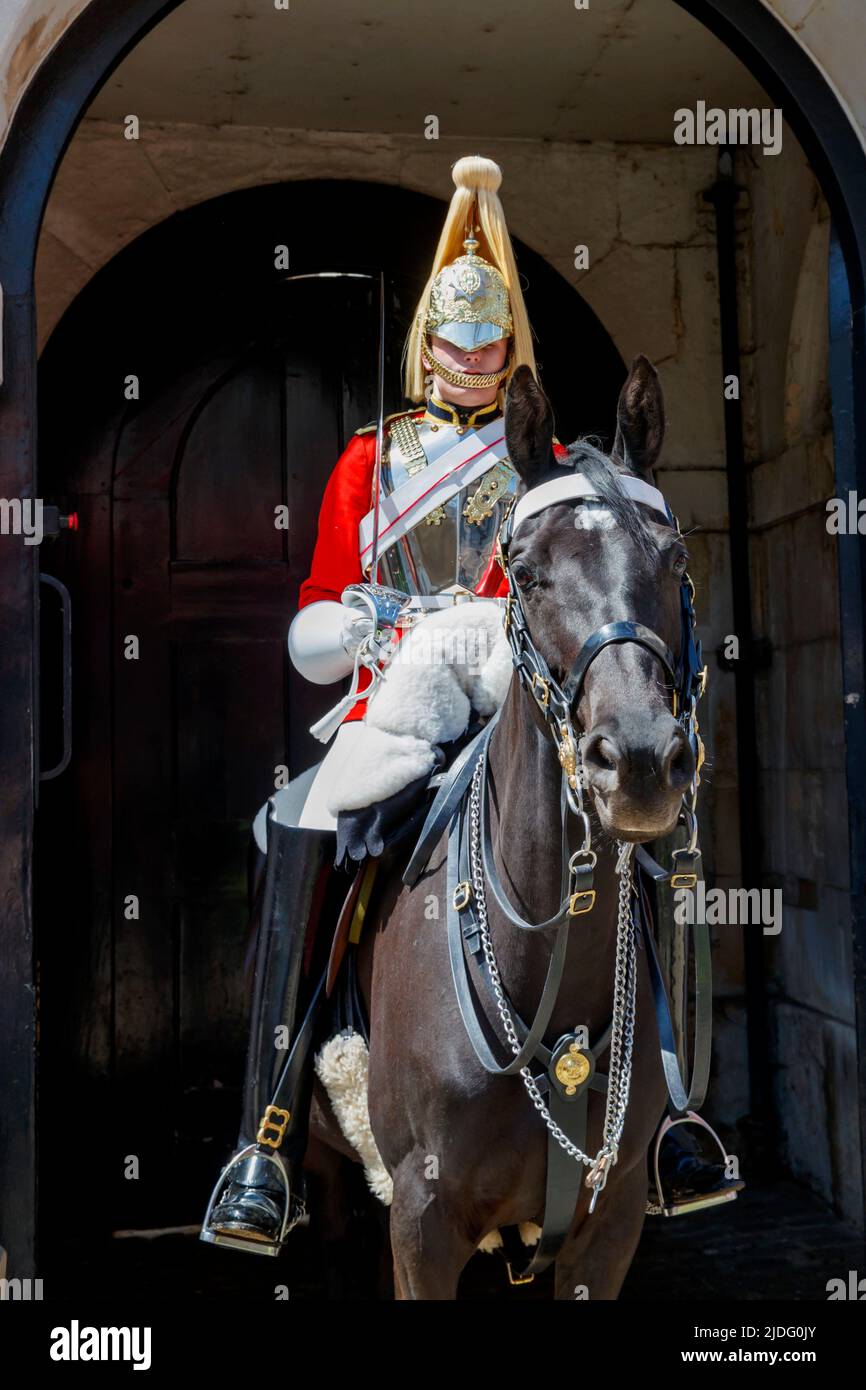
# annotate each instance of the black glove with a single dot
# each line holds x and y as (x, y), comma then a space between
(371, 829)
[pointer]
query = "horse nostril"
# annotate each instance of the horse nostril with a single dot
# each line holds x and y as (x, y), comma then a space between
(681, 760)
(676, 764)
(605, 756)
(601, 755)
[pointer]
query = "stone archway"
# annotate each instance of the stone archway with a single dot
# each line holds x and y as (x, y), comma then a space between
(45, 117)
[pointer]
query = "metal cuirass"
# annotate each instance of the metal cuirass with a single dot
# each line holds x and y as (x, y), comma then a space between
(453, 544)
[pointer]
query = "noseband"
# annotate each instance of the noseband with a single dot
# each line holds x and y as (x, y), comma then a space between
(558, 704)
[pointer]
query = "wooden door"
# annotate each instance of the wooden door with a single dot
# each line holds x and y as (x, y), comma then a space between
(199, 711)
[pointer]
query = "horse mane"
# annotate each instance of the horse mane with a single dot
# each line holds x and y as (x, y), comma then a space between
(583, 456)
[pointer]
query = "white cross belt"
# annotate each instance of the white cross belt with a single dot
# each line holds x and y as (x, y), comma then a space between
(473, 455)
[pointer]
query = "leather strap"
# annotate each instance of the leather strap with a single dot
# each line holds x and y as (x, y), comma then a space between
(291, 1075)
(576, 487)
(471, 456)
(462, 985)
(604, 637)
(560, 917)
(344, 922)
(448, 798)
(564, 1180)
(565, 1177)
(681, 1099)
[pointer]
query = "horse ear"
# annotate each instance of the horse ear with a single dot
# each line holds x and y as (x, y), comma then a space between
(640, 419)
(528, 426)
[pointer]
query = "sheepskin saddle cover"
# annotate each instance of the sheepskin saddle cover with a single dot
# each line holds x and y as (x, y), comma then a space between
(453, 661)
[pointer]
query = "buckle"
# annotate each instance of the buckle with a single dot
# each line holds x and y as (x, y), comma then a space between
(279, 1127)
(684, 880)
(516, 1279)
(582, 900)
(462, 894)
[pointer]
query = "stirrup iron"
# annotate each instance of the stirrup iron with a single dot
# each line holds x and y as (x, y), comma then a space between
(663, 1207)
(294, 1213)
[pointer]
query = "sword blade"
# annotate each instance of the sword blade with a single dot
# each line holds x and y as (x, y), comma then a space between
(380, 422)
(380, 434)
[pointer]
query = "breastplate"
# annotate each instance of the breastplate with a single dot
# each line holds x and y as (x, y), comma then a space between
(454, 543)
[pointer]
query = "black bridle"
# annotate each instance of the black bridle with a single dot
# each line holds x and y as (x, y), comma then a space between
(558, 703)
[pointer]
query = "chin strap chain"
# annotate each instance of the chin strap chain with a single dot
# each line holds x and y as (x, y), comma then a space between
(472, 381)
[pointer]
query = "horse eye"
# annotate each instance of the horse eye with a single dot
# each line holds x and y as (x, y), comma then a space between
(681, 564)
(523, 576)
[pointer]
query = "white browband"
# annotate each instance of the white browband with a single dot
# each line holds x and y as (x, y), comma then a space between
(576, 485)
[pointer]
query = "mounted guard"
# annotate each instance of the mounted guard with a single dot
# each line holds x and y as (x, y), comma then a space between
(383, 575)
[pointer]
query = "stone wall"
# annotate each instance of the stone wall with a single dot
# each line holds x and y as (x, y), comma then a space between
(803, 814)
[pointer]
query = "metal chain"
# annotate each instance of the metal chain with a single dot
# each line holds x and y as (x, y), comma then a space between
(622, 1027)
(625, 979)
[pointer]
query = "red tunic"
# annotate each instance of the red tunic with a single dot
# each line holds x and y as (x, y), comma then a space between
(336, 558)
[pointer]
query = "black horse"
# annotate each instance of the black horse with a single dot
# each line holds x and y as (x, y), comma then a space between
(467, 1150)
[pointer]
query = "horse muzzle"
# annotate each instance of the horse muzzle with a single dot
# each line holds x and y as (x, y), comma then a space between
(638, 766)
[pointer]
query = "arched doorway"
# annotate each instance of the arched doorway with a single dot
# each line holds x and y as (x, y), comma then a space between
(249, 385)
(44, 122)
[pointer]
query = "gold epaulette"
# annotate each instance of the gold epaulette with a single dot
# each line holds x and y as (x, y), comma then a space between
(416, 411)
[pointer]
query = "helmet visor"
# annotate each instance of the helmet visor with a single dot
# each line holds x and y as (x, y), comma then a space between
(469, 337)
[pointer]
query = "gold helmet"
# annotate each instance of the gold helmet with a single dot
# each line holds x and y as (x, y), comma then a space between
(469, 304)
(472, 299)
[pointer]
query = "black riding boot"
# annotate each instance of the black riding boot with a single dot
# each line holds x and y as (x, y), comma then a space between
(259, 1196)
